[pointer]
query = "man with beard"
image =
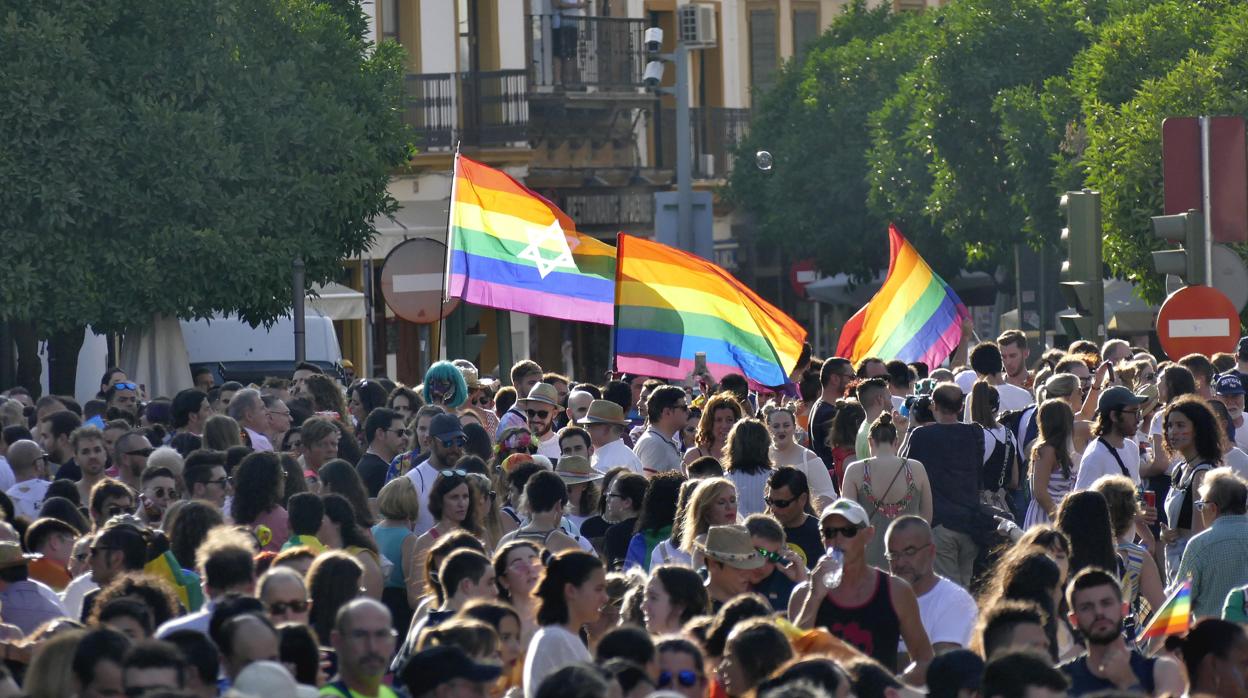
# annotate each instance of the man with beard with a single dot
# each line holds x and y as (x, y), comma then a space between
(130, 454)
(364, 641)
(54, 433)
(125, 397)
(542, 409)
(446, 445)
(92, 457)
(1097, 610)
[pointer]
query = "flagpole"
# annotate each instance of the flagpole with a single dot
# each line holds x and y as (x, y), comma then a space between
(446, 261)
(615, 313)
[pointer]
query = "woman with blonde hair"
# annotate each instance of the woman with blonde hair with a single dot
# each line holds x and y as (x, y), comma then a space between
(399, 503)
(718, 415)
(1054, 461)
(713, 503)
(48, 675)
(1142, 587)
(490, 519)
(1066, 387)
(222, 432)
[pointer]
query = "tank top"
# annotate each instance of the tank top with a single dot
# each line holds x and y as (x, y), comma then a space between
(390, 542)
(872, 627)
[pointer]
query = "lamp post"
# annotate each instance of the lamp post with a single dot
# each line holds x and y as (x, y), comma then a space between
(684, 148)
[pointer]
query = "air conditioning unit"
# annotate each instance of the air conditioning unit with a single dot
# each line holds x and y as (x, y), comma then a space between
(697, 25)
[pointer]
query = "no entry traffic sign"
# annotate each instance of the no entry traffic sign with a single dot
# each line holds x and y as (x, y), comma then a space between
(1197, 320)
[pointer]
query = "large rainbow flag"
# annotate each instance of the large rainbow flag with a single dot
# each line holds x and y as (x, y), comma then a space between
(671, 305)
(512, 249)
(1174, 616)
(914, 316)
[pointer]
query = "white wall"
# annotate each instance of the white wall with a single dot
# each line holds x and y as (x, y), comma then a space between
(512, 26)
(437, 36)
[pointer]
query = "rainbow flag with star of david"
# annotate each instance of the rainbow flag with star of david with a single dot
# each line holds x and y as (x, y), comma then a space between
(511, 249)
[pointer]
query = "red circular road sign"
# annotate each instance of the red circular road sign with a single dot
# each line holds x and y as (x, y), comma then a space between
(1197, 320)
(411, 281)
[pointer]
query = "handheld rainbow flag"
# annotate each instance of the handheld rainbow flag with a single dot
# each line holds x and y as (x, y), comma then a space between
(511, 249)
(914, 316)
(1174, 616)
(672, 305)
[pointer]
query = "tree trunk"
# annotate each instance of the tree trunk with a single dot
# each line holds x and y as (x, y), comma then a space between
(63, 350)
(29, 369)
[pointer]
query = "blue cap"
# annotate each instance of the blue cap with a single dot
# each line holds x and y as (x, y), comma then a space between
(1229, 383)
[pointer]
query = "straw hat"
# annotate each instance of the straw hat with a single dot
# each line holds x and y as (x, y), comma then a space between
(471, 376)
(732, 546)
(574, 470)
(604, 412)
(11, 555)
(541, 394)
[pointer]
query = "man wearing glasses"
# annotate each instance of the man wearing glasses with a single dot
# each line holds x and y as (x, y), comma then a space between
(446, 445)
(1114, 450)
(948, 612)
(659, 448)
(385, 434)
(542, 408)
(130, 455)
(124, 396)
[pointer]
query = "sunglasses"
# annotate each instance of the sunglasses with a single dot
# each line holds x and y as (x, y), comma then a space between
(118, 510)
(847, 531)
(685, 678)
(774, 558)
(279, 608)
(222, 481)
(161, 492)
(454, 473)
(125, 386)
(459, 441)
(400, 432)
(779, 503)
(540, 414)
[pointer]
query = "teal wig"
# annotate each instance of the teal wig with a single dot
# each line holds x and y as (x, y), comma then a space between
(445, 384)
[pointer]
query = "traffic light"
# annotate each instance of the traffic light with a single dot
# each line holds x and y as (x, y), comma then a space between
(1189, 263)
(1082, 273)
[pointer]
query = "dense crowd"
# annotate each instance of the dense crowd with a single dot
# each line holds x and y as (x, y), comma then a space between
(1003, 528)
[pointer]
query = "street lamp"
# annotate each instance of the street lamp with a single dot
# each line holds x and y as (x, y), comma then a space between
(684, 154)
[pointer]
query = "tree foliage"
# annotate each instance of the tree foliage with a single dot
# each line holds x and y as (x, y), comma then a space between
(989, 110)
(176, 158)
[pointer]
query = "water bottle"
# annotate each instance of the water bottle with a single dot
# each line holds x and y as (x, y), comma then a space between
(832, 579)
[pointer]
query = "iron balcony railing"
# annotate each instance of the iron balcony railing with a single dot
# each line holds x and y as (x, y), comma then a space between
(485, 109)
(578, 53)
(716, 133)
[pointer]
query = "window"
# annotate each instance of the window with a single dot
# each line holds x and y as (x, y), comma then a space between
(390, 20)
(805, 30)
(764, 49)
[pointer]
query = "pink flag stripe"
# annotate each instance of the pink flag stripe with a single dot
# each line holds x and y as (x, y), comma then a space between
(495, 295)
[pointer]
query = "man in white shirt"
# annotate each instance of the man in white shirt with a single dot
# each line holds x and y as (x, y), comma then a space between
(446, 445)
(247, 408)
(948, 612)
(605, 421)
(30, 466)
(986, 364)
(659, 448)
(542, 408)
(1229, 388)
(1114, 450)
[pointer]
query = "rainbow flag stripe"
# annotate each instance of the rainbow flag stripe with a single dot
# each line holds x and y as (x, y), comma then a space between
(914, 316)
(512, 249)
(672, 305)
(1175, 615)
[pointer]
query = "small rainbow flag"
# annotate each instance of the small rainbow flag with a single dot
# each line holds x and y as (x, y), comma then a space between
(672, 305)
(1174, 616)
(914, 316)
(512, 249)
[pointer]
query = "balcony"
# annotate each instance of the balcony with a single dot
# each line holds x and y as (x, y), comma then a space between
(487, 109)
(581, 54)
(716, 133)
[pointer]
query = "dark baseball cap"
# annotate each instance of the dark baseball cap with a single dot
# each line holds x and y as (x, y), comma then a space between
(1117, 398)
(1242, 349)
(1229, 383)
(430, 668)
(445, 426)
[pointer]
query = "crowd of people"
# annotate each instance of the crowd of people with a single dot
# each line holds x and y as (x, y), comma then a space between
(1005, 527)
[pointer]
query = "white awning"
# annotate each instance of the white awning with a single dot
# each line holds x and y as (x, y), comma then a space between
(337, 302)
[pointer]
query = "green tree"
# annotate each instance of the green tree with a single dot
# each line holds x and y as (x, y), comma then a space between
(175, 158)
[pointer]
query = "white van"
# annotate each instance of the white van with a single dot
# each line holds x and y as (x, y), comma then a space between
(236, 351)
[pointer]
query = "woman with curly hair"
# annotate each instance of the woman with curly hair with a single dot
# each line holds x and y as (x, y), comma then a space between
(445, 386)
(326, 396)
(188, 527)
(405, 401)
(718, 415)
(153, 595)
(1191, 433)
(340, 530)
(452, 506)
(259, 483)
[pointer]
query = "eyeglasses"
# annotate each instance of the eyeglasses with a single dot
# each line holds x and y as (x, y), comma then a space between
(459, 441)
(454, 473)
(540, 414)
(481, 402)
(221, 481)
(1200, 504)
(161, 493)
(685, 678)
(279, 608)
(684, 407)
(400, 432)
(775, 558)
(118, 510)
(283, 414)
(847, 531)
(615, 495)
(779, 503)
(908, 552)
(125, 386)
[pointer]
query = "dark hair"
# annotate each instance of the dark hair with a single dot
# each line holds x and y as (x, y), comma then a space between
(297, 646)
(740, 608)
(185, 443)
(185, 403)
(658, 507)
(568, 567)
(545, 491)
(500, 562)
(378, 418)
(1012, 673)
(488, 611)
(758, 647)
(150, 474)
(200, 652)
(460, 565)
(62, 423)
(43, 528)
(340, 511)
(371, 395)
(14, 433)
(62, 509)
(846, 422)
(123, 607)
(228, 607)
(157, 654)
(1207, 436)
(443, 486)
(985, 359)
(631, 486)
(660, 399)
(444, 546)
(477, 442)
(333, 580)
(99, 645)
(790, 477)
(1090, 578)
(188, 529)
(620, 393)
(685, 589)
(306, 513)
(1198, 364)
(1027, 575)
(1084, 518)
(706, 466)
(869, 678)
(1210, 636)
(340, 477)
(999, 621)
(225, 563)
(626, 642)
(575, 681)
(308, 366)
(256, 484)
(832, 366)
(1178, 382)
(747, 449)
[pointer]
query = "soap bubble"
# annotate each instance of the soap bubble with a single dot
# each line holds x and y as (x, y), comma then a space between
(764, 160)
